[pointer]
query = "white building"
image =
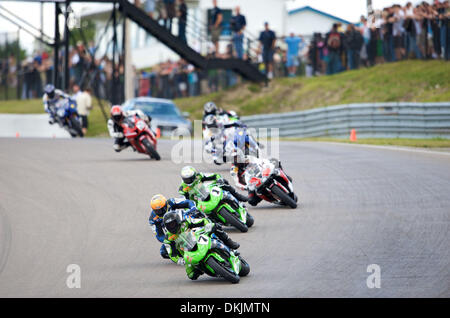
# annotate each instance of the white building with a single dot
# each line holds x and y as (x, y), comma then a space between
(307, 21)
(147, 51)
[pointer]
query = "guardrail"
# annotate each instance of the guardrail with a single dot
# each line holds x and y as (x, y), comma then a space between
(375, 120)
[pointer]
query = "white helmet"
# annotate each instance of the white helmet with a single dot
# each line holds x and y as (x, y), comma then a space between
(188, 174)
(210, 108)
(233, 113)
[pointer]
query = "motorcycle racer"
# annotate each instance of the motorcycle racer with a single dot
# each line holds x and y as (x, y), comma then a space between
(191, 178)
(176, 223)
(115, 127)
(50, 99)
(239, 166)
(160, 205)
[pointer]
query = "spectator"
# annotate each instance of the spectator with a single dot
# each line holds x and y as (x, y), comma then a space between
(169, 6)
(267, 40)
(215, 26)
(182, 20)
(398, 32)
(192, 80)
(293, 47)
(238, 23)
(149, 7)
(411, 31)
(84, 105)
(389, 35)
(353, 45)
(333, 41)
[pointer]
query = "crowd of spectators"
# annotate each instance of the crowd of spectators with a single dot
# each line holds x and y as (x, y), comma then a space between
(391, 34)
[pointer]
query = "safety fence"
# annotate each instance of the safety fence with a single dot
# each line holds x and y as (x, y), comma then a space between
(374, 120)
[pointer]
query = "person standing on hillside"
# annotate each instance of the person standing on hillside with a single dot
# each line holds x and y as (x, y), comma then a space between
(238, 23)
(267, 40)
(294, 44)
(333, 42)
(215, 26)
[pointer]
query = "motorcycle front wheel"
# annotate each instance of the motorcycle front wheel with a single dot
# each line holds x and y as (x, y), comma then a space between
(223, 272)
(233, 220)
(245, 268)
(150, 150)
(284, 197)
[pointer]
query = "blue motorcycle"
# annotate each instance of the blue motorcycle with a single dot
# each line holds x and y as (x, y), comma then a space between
(66, 114)
(240, 139)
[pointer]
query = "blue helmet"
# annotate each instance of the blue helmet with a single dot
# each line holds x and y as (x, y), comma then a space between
(50, 90)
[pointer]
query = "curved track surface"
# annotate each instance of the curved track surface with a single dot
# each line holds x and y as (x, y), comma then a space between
(77, 202)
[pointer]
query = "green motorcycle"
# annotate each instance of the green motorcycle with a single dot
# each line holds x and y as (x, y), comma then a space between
(200, 251)
(209, 199)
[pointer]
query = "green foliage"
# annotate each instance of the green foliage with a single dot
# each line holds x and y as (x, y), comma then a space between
(87, 29)
(11, 48)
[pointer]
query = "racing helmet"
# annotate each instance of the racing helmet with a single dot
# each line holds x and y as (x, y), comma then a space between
(116, 113)
(172, 221)
(188, 174)
(50, 90)
(233, 114)
(210, 108)
(159, 205)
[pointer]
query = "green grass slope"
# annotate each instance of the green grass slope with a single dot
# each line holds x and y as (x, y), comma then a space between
(409, 81)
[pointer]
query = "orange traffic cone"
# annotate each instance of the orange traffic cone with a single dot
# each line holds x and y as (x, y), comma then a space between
(353, 135)
(158, 132)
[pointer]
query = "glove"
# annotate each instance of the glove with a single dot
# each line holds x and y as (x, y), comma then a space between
(209, 227)
(118, 135)
(180, 261)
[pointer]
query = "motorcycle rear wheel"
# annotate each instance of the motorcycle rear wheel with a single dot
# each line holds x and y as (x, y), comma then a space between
(284, 197)
(222, 272)
(233, 220)
(150, 150)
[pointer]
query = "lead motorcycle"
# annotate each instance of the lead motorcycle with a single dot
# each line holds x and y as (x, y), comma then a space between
(271, 183)
(140, 136)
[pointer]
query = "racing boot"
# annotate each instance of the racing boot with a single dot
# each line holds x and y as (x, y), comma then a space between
(223, 236)
(234, 193)
(231, 200)
(163, 252)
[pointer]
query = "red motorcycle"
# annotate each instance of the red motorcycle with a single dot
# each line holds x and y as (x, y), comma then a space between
(271, 183)
(140, 136)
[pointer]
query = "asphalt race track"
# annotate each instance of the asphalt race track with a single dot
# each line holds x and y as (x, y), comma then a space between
(78, 202)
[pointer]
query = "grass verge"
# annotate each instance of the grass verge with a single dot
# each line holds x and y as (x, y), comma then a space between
(97, 123)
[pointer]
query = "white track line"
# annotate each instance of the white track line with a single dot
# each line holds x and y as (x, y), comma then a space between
(395, 148)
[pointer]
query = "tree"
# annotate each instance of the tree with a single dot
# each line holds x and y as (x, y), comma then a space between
(12, 48)
(86, 32)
